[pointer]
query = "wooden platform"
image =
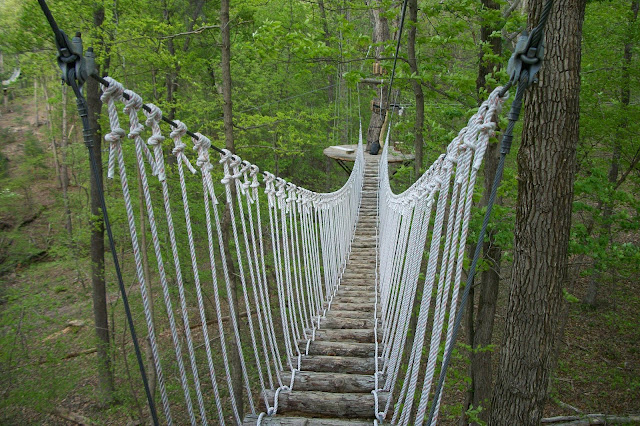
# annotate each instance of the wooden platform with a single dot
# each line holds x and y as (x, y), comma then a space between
(334, 387)
(348, 153)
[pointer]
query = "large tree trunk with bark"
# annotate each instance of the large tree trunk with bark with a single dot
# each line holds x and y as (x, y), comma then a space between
(226, 223)
(546, 170)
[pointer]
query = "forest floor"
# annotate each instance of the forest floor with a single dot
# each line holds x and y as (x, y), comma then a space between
(47, 357)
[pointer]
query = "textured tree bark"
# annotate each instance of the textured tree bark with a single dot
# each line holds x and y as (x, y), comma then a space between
(418, 141)
(105, 374)
(227, 108)
(546, 170)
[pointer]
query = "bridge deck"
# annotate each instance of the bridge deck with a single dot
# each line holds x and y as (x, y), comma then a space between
(334, 387)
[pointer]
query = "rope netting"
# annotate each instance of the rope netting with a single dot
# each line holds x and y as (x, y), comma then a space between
(287, 249)
(437, 207)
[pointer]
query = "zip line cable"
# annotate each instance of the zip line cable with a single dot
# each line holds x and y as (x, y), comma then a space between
(395, 57)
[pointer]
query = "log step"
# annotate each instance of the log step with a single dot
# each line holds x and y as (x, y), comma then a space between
(346, 334)
(349, 306)
(342, 313)
(330, 382)
(338, 405)
(343, 364)
(368, 300)
(339, 323)
(278, 420)
(349, 292)
(352, 349)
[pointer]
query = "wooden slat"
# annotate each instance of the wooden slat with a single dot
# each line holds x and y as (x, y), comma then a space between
(329, 404)
(342, 364)
(330, 382)
(353, 349)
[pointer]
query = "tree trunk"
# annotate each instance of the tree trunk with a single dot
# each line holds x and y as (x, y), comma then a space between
(64, 176)
(227, 108)
(380, 35)
(35, 101)
(483, 321)
(105, 373)
(546, 170)
(614, 168)
(418, 142)
(54, 145)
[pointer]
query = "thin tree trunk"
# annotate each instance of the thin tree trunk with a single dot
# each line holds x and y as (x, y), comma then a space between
(380, 35)
(546, 171)
(483, 321)
(54, 145)
(105, 373)
(35, 101)
(418, 141)
(64, 177)
(237, 380)
(614, 168)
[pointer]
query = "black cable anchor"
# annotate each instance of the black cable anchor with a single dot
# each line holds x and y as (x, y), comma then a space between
(70, 56)
(526, 55)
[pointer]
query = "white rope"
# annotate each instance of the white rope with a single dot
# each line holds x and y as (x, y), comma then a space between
(178, 151)
(110, 95)
(445, 190)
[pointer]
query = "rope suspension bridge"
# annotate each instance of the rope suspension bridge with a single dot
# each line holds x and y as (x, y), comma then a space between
(327, 281)
(330, 341)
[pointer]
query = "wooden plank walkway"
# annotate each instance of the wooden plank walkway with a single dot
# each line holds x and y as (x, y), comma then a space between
(334, 387)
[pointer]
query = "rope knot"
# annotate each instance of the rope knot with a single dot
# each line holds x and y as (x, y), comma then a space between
(153, 119)
(113, 90)
(225, 156)
(179, 146)
(134, 103)
(115, 135)
(154, 115)
(201, 145)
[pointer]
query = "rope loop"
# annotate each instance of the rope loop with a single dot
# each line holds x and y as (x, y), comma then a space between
(225, 156)
(134, 103)
(114, 90)
(154, 116)
(201, 145)
(177, 134)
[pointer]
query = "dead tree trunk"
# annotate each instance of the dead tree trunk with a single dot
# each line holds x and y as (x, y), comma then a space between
(546, 170)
